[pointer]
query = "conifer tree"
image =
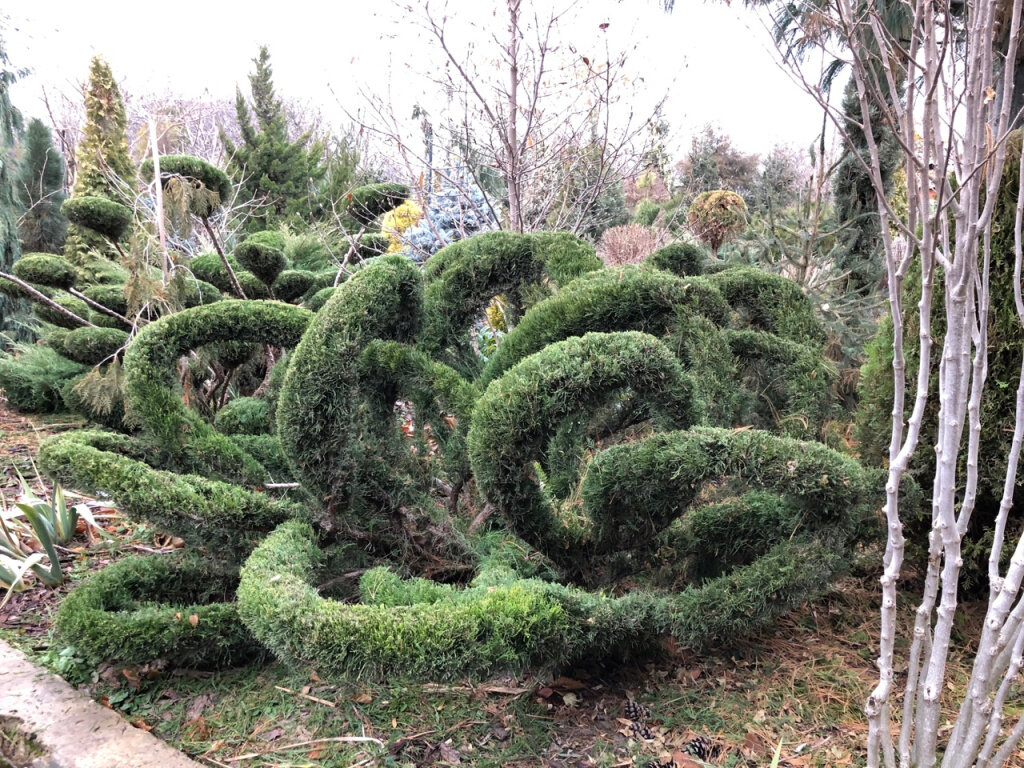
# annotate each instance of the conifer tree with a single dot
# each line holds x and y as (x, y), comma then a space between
(40, 191)
(105, 168)
(267, 166)
(9, 210)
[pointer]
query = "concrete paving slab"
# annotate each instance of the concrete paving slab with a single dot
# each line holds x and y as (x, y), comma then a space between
(76, 731)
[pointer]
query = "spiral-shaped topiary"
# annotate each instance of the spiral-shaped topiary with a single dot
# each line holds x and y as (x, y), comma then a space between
(585, 432)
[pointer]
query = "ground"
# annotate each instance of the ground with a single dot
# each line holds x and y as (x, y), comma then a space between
(798, 691)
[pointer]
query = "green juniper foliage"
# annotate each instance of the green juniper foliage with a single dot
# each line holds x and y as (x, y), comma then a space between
(40, 191)
(600, 432)
(267, 166)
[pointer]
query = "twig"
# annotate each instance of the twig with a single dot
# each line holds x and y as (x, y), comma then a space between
(483, 517)
(325, 702)
(224, 259)
(332, 740)
(277, 486)
(44, 299)
(105, 310)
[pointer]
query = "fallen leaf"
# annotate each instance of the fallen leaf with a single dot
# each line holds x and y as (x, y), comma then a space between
(142, 724)
(197, 730)
(363, 698)
(273, 734)
(195, 709)
(449, 754)
(567, 684)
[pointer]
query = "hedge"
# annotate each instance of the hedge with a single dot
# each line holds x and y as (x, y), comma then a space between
(141, 609)
(151, 391)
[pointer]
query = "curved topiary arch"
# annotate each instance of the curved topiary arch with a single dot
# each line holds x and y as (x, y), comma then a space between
(629, 299)
(464, 277)
(151, 395)
(338, 434)
(205, 513)
(520, 412)
(769, 303)
(145, 608)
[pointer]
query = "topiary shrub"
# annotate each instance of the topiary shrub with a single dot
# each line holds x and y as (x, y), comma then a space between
(45, 269)
(92, 346)
(209, 268)
(292, 284)
(141, 609)
(110, 219)
(683, 259)
(317, 301)
(716, 217)
(50, 315)
(110, 296)
(262, 254)
(769, 302)
(368, 202)
(244, 416)
(204, 178)
(589, 446)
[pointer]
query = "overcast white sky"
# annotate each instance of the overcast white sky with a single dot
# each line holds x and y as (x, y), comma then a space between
(713, 59)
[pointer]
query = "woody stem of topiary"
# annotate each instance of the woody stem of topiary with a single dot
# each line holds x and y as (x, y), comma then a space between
(43, 299)
(100, 308)
(352, 250)
(224, 259)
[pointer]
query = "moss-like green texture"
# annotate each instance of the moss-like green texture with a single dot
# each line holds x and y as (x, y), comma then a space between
(368, 202)
(337, 433)
(768, 302)
(262, 254)
(317, 301)
(683, 259)
(99, 214)
(145, 608)
(291, 284)
(152, 392)
(191, 167)
(110, 296)
(520, 412)
(50, 315)
(465, 276)
(244, 416)
(45, 269)
(630, 299)
(223, 517)
(422, 630)
(92, 346)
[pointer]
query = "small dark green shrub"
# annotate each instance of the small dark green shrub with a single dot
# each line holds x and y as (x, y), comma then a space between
(244, 416)
(316, 302)
(209, 268)
(110, 219)
(262, 254)
(368, 202)
(291, 284)
(32, 377)
(683, 259)
(767, 302)
(45, 269)
(92, 346)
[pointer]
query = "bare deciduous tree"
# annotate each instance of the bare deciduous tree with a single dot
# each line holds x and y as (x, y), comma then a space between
(934, 82)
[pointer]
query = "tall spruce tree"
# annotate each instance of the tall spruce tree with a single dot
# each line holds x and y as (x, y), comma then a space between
(105, 168)
(10, 250)
(267, 166)
(40, 190)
